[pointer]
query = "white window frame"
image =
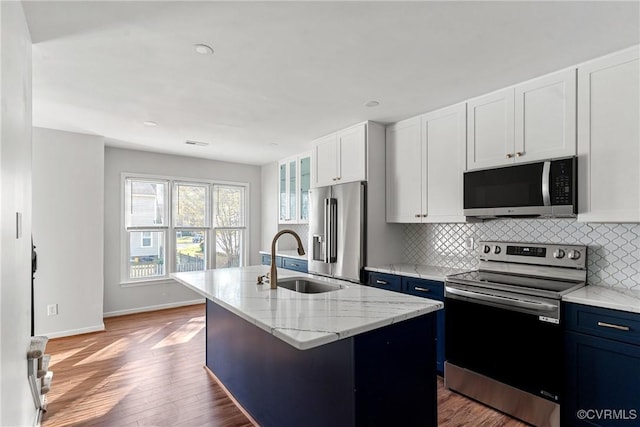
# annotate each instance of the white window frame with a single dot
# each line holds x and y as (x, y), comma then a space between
(170, 229)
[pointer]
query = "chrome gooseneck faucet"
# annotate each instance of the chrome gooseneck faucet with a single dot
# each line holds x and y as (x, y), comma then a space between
(274, 272)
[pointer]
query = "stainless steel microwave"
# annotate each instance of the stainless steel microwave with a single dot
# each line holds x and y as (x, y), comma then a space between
(542, 189)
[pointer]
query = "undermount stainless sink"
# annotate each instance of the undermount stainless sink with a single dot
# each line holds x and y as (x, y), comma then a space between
(306, 286)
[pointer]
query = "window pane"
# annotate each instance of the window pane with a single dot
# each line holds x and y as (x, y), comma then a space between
(146, 203)
(190, 205)
(146, 261)
(229, 206)
(228, 248)
(190, 250)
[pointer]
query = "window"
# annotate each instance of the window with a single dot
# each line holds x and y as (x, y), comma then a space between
(177, 225)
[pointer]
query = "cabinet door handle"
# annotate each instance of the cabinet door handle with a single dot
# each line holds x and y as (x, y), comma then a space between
(519, 153)
(339, 178)
(612, 326)
(424, 215)
(509, 155)
(418, 215)
(295, 265)
(381, 282)
(418, 288)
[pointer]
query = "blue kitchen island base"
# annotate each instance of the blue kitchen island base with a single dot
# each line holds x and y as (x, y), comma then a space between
(379, 378)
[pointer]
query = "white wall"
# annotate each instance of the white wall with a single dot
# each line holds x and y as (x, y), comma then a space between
(68, 228)
(16, 404)
(120, 299)
(269, 204)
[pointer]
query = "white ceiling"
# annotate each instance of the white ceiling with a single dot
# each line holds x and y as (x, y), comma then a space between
(287, 72)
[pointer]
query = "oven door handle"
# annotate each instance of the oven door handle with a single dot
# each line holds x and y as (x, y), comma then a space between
(501, 300)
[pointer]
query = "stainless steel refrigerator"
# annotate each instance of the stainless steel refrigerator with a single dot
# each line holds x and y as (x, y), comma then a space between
(337, 230)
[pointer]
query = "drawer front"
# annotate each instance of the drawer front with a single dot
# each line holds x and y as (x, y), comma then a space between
(423, 288)
(385, 281)
(603, 322)
(295, 264)
(266, 259)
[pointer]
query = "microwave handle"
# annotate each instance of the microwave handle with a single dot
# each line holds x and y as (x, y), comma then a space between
(546, 175)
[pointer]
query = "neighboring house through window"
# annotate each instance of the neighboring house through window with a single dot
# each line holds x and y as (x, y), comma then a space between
(174, 225)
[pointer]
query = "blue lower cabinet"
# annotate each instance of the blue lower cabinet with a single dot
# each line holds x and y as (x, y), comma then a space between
(385, 281)
(602, 367)
(295, 264)
(433, 290)
(422, 288)
(266, 260)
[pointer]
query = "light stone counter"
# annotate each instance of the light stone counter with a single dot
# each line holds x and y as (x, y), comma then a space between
(606, 297)
(428, 272)
(304, 320)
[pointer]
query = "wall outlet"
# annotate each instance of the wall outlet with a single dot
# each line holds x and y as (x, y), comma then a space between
(52, 310)
(469, 243)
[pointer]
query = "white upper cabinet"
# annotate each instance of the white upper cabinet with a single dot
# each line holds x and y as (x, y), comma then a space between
(444, 132)
(609, 138)
(532, 121)
(545, 117)
(341, 157)
(294, 177)
(405, 164)
(490, 133)
(425, 163)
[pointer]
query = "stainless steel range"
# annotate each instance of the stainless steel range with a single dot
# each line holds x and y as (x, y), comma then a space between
(504, 343)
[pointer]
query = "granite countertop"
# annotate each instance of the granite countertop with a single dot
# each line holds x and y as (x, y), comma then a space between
(287, 253)
(606, 297)
(429, 272)
(304, 320)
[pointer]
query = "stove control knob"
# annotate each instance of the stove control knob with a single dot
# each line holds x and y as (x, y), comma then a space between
(486, 249)
(497, 250)
(559, 254)
(574, 254)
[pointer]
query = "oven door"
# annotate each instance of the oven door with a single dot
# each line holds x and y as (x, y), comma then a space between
(512, 338)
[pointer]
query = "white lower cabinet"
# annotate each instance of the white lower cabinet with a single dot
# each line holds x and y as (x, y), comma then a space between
(609, 138)
(425, 163)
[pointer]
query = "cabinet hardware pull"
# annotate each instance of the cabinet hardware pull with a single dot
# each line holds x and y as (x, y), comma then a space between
(418, 215)
(295, 265)
(609, 325)
(381, 282)
(519, 153)
(418, 288)
(509, 155)
(424, 215)
(339, 178)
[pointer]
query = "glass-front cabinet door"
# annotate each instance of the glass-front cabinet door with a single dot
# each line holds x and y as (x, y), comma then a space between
(282, 193)
(305, 183)
(294, 181)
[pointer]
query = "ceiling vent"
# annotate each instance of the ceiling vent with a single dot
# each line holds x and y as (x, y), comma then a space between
(201, 144)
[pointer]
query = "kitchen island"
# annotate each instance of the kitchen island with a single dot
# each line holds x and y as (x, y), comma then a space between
(350, 357)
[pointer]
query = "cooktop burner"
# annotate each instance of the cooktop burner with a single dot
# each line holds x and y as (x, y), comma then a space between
(549, 270)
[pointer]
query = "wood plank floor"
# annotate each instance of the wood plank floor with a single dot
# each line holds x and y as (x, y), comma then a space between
(147, 370)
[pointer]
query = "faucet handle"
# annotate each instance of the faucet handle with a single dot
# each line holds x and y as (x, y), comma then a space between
(259, 280)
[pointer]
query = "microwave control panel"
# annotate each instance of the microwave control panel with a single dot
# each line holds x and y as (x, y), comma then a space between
(561, 189)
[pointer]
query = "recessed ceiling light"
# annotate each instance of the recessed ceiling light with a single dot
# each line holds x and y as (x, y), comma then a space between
(199, 143)
(150, 123)
(372, 104)
(203, 49)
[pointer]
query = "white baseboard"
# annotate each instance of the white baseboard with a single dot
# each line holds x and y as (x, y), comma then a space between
(153, 308)
(70, 332)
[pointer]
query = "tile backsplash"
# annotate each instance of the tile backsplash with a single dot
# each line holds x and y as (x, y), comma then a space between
(287, 242)
(613, 256)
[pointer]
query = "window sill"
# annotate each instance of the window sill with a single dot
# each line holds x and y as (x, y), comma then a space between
(150, 282)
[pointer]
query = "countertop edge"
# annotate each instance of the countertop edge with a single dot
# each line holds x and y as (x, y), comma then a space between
(621, 299)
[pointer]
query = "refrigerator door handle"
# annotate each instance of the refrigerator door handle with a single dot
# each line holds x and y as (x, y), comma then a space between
(327, 227)
(333, 230)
